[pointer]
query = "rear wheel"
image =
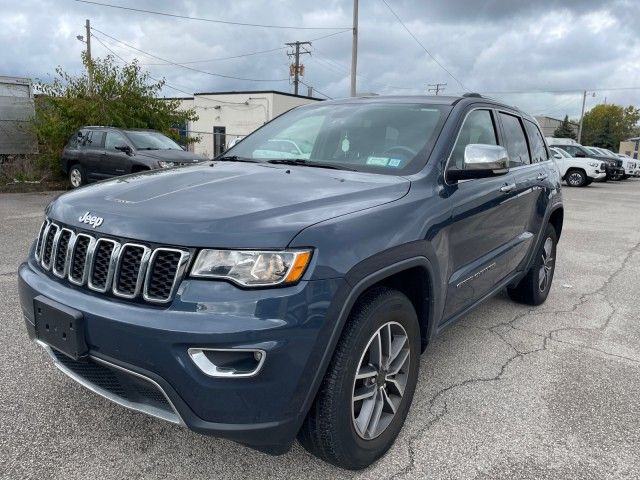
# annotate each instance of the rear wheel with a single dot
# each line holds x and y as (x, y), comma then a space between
(576, 178)
(369, 385)
(534, 288)
(77, 176)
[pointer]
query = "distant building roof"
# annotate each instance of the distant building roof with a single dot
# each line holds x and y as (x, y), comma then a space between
(244, 92)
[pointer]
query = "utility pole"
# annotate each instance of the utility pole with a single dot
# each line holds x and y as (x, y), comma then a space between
(296, 70)
(354, 49)
(584, 101)
(89, 65)
(436, 87)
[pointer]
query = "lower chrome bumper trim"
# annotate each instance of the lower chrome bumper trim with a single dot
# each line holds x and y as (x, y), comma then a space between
(139, 407)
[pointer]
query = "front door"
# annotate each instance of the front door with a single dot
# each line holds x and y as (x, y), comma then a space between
(115, 162)
(483, 231)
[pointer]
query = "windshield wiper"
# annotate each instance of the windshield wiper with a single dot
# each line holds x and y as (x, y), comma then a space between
(149, 148)
(303, 162)
(236, 158)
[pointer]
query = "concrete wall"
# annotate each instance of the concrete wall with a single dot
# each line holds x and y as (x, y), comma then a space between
(239, 112)
(630, 147)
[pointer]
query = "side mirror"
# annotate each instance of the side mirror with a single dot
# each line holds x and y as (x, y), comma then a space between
(481, 161)
(558, 156)
(580, 155)
(124, 148)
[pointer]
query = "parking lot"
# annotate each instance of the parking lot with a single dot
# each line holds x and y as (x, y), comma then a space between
(507, 392)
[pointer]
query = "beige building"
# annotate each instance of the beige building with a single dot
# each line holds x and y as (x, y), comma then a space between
(549, 125)
(630, 147)
(224, 116)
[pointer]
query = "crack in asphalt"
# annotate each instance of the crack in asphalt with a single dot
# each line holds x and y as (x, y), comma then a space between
(584, 298)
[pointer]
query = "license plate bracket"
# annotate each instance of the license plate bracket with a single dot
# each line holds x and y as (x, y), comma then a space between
(60, 326)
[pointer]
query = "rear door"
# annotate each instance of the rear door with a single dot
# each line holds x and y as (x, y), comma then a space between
(527, 150)
(91, 154)
(483, 230)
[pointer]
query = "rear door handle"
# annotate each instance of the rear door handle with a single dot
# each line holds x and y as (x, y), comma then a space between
(507, 187)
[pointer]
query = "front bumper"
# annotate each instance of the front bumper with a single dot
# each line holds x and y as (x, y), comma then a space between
(264, 411)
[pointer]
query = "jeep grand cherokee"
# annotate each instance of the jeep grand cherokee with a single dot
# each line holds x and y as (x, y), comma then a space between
(260, 298)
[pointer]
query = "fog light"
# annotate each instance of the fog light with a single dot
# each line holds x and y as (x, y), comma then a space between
(228, 362)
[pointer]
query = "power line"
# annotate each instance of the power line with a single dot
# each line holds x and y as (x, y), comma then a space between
(316, 90)
(250, 54)
(421, 45)
(188, 67)
(211, 20)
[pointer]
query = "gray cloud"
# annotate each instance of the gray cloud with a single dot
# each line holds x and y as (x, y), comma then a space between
(491, 46)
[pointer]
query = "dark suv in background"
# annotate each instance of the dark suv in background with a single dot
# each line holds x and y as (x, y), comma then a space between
(96, 153)
(258, 296)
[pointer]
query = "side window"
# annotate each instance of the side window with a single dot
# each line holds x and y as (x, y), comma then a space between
(515, 141)
(113, 140)
(93, 139)
(538, 149)
(478, 127)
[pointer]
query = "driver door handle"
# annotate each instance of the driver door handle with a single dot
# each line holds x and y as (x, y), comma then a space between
(507, 187)
(542, 176)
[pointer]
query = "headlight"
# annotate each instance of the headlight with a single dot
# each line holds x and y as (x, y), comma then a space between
(251, 268)
(165, 164)
(593, 164)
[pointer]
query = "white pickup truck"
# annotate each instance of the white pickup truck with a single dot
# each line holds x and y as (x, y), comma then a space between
(576, 171)
(633, 165)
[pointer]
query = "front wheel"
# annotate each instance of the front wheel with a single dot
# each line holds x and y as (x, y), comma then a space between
(368, 388)
(534, 288)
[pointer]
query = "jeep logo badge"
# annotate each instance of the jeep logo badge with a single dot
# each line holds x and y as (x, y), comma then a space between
(92, 220)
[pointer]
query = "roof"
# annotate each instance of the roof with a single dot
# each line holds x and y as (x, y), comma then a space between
(253, 92)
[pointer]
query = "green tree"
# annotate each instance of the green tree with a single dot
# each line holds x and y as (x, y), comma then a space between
(565, 129)
(121, 96)
(607, 125)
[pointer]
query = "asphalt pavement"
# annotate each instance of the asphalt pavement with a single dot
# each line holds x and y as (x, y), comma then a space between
(507, 392)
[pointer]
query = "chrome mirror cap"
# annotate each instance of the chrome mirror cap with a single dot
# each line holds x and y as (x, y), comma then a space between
(485, 157)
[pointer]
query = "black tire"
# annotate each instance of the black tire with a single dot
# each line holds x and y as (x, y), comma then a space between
(576, 178)
(330, 430)
(530, 290)
(77, 175)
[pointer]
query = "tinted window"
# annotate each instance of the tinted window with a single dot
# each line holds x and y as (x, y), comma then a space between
(378, 137)
(538, 148)
(113, 140)
(477, 128)
(93, 139)
(515, 141)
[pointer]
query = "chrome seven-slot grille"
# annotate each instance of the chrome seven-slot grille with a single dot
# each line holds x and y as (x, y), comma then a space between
(127, 270)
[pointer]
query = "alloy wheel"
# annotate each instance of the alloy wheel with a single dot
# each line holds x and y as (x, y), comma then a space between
(575, 179)
(380, 380)
(546, 268)
(75, 177)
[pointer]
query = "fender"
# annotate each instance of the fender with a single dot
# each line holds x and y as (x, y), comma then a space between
(538, 240)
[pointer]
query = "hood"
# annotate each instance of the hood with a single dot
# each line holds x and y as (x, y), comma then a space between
(224, 204)
(170, 155)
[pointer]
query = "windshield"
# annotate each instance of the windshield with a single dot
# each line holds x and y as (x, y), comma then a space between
(144, 140)
(561, 152)
(377, 137)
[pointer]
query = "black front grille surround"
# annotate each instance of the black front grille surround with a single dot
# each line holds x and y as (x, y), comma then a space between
(105, 265)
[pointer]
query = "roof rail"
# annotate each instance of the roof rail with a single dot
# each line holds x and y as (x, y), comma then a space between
(472, 95)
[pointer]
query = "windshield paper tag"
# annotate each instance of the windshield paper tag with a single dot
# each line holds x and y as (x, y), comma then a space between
(394, 162)
(378, 161)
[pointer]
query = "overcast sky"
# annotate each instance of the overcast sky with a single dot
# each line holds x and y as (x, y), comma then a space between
(488, 46)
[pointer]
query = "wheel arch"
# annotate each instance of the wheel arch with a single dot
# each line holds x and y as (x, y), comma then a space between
(389, 275)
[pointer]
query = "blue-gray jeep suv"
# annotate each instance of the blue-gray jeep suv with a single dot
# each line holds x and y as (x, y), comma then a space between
(288, 287)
